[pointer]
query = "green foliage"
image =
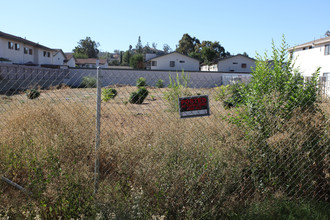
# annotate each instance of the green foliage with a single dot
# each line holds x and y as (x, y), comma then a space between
(139, 46)
(141, 82)
(207, 51)
(282, 121)
(278, 88)
(86, 47)
(4, 59)
(160, 83)
(32, 93)
(139, 96)
(108, 93)
(88, 82)
(126, 58)
(136, 61)
(221, 92)
(177, 88)
(283, 209)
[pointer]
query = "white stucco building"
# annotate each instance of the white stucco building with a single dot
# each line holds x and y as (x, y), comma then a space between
(21, 51)
(58, 57)
(174, 61)
(309, 56)
(92, 63)
(238, 63)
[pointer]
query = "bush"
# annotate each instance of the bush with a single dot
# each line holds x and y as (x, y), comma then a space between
(177, 88)
(160, 83)
(139, 96)
(88, 82)
(32, 94)
(231, 95)
(140, 82)
(286, 129)
(108, 93)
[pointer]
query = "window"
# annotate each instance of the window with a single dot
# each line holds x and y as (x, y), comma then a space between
(153, 63)
(10, 45)
(172, 63)
(182, 61)
(30, 51)
(26, 50)
(45, 53)
(327, 49)
(243, 65)
(235, 63)
(48, 54)
(16, 46)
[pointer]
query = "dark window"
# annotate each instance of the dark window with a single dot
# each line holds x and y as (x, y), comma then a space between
(16, 46)
(153, 63)
(30, 51)
(26, 50)
(172, 63)
(244, 65)
(45, 53)
(235, 63)
(327, 49)
(48, 54)
(10, 45)
(182, 61)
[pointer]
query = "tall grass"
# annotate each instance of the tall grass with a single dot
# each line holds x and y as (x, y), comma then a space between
(152, 165)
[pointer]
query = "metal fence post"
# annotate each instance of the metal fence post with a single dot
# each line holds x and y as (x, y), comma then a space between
(98, 127)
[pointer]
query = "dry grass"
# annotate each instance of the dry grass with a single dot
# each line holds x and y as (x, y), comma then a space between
(152, 162)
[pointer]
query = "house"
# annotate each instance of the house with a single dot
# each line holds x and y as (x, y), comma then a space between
(70, 61)
(21, 51)
(238, 63)
(92, 63)
(59, 57)
(174, 61)
(311, 55)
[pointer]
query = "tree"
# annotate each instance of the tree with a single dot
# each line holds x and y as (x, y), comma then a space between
(167, 49)
(154, 45)
(146, 49)
(136, 61)
(126, 58)
(139, 46)
(86, 48)
(187, 44)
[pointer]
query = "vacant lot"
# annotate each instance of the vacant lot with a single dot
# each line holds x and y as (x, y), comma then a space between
(153, 163)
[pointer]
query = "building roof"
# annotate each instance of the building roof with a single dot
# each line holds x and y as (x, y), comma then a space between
(22, 40)
(312, 43)
(173, 53)
(56, 51)
(90, 61)
(230, 57)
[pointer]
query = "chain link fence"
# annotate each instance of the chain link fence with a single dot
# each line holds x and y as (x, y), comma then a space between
(141, 160)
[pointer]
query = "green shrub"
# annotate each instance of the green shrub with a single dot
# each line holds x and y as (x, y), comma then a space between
(160, 83)
(177, 88)
(286, 129)
(32, 94)
(108, 93)
(139, 96)
(88, 82)
(140, 82)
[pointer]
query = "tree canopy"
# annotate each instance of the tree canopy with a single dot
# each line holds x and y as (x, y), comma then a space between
(87, 48)
(206, 51)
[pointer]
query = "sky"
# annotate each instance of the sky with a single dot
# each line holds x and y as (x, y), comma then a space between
(239, 25)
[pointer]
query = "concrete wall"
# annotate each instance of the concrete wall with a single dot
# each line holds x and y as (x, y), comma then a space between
(197, 79)
(17, 77)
